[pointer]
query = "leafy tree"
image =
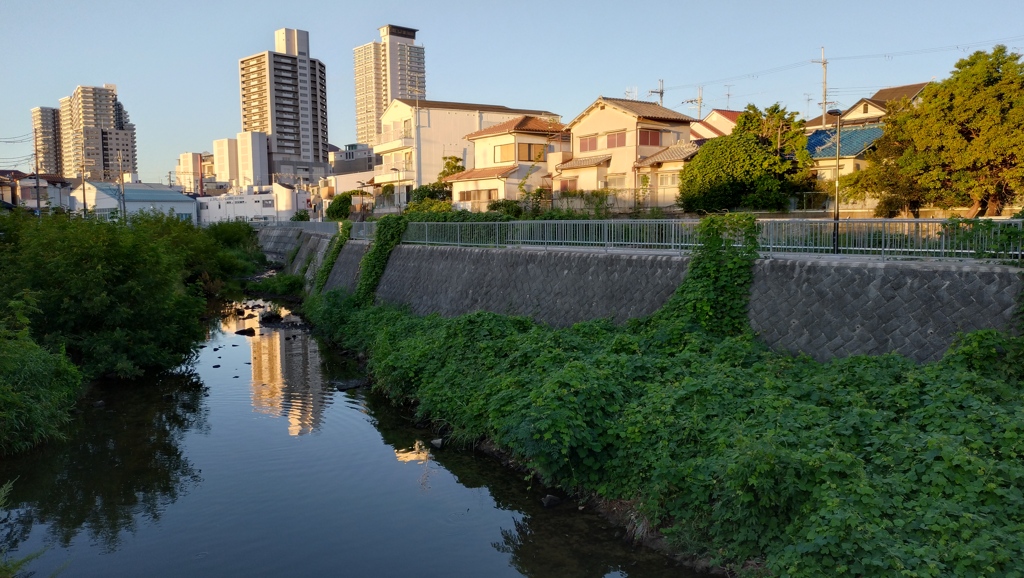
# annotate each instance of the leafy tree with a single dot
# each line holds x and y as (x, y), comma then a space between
(341, 206)
(962, 144)
(434, 191)
(452, 165)
(777, 128)
(733, 171)
(300, 215)
(430, 206)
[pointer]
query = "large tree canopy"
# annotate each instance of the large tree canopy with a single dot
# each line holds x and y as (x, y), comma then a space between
(963, 144)
(731, 171)
(777, 128)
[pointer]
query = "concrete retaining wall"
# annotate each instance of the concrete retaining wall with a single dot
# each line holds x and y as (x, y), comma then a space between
(558, 288)
(833, 309)
(826, 309)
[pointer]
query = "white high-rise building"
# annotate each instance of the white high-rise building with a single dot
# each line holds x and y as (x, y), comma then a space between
(95, 130)
(284, 96)
(46, 134)
(225, 160)
(384, 71)
(253, 168)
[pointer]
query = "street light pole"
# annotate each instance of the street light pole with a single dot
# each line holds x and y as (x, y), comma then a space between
(835, 210)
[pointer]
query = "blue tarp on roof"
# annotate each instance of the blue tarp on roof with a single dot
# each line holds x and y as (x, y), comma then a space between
(853, 141)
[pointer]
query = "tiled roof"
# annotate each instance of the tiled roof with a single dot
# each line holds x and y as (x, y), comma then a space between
(732, 115)
(524, 123)
(470, 106)
(650, 110)
(680, 151)
(909, 91)
(853, 141)
(704, 130)
(584, 162)
(485, 173)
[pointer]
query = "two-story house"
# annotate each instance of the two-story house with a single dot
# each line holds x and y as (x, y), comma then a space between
(609, 138)
(417, 135)
(507, 156)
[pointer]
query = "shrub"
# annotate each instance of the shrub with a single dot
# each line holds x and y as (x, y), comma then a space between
(341, 206)
(506, 207)
(300, 215)
(429, 205)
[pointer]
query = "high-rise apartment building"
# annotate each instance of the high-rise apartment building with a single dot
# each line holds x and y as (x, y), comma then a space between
(384, 71)
(95, 132)
(46, 133)
(284, 96)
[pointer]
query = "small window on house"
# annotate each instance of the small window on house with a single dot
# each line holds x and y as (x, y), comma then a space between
(618, 182)
(648, 137)
(503, 153)
(617, 139)
(668, 179)
(588, 143)
(865, 111)
(531, 152)
(565, 185)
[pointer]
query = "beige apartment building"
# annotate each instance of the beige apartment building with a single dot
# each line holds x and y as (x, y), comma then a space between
(46, 135)
(91, 129)
(284, 96)
(417, 136)
(384, 71)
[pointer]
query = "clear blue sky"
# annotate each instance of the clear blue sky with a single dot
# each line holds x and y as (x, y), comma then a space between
(176, 63)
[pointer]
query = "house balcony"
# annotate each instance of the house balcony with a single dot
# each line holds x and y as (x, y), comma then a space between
(393, 140)
(393, 173)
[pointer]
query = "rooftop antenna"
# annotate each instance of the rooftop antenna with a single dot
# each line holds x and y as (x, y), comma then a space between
(807, 98)
(632, 92)
(660, 92)
(728, 95)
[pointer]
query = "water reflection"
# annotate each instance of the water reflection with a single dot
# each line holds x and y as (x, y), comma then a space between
(287, 379)
(108, 477)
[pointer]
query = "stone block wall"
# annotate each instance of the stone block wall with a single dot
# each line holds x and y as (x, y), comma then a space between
(345, 272)
(831, 309)
(558, 288)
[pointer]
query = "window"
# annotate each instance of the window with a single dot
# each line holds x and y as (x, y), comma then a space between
(503, 153)
(481, 195)
(588, 143)
(865, 109)
(565, 185)
(649, 137)
(668, 179)
(531, 152)
(618, 182)
(617, 139)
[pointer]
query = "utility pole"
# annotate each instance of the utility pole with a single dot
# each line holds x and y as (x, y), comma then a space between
(699, 101)
(824, 86)
(124, 203)
(660, 92)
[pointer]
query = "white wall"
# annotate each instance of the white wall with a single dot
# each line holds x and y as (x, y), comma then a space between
(253, 167)
(225, 160)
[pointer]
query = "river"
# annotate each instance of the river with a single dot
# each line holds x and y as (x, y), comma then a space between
(254, 463)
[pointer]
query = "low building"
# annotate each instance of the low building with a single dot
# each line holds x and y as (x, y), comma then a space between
(277, 202)
(353, 158)
(662, 174)
(418, 134)
(609, 139)
(718, 122)
(508, 157)
(854, 141)
(51, 191)
(104, 199)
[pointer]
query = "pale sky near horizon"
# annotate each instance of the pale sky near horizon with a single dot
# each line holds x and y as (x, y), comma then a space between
(176, 64)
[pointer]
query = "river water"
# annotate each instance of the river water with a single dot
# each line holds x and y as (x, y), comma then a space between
(254, 463)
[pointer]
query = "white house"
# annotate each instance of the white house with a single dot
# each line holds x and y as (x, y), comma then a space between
(105, 199)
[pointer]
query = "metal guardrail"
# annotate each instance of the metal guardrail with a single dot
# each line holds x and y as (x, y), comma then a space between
(884, 238)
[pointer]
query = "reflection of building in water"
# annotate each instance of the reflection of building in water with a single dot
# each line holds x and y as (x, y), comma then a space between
(418, 453)
(286, 377)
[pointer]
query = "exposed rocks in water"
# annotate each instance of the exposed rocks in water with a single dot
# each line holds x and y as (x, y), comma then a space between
(347, 384)
(550, 501)
(247, 331)
(437, 443)
(216, 366)
(99, 403)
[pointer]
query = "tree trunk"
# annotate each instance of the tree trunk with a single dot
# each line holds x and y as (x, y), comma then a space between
(995, 206)
(975, 209)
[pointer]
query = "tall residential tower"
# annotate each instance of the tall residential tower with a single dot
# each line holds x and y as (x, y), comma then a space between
(91, 130)
(284, 95)
(386, 70)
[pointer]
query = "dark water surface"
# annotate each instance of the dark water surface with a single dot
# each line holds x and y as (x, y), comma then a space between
(261, 467)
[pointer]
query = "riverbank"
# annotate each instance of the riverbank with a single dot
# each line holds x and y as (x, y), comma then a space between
(864, 465)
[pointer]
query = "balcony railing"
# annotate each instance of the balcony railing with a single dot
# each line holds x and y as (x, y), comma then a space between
(390, 135)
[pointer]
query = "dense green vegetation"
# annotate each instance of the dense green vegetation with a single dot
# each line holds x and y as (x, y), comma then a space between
(115, 299)
(870, 466)
(959, 145)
